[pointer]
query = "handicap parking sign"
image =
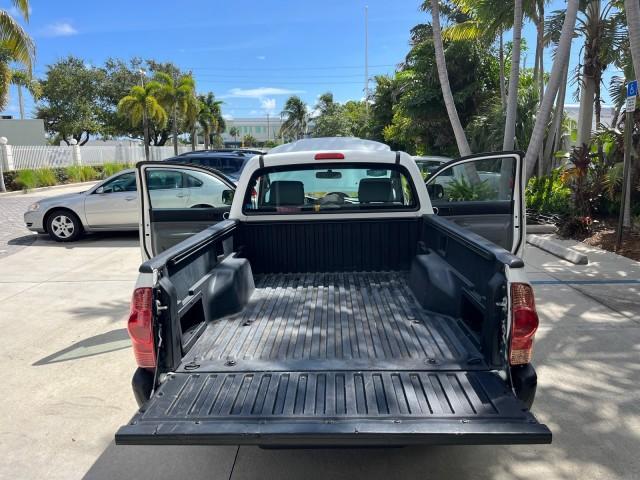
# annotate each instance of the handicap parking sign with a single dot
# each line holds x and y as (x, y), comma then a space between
(632, 88)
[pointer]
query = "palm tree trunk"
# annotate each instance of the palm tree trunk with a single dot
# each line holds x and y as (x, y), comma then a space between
(206, 139)
(514, 76)
(503, 93)
(20, 102)
(632, 9)
(194, 139)
(175, 129)
(557, 74)
(458, 131)
(554, 138)
(145, 128)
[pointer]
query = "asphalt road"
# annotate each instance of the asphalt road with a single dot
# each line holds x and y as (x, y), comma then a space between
(67, 366)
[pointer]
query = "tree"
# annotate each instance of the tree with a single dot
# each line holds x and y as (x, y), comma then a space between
(23, 79)
(249, 141)
(296, 117)
(512, 92)
(69, 104)
(562, 57)
(233, 131)
(461, 139)
(632, 10)
(209, 116)
(176, 94)
(142, 107)
(331, 120)
(15, 46)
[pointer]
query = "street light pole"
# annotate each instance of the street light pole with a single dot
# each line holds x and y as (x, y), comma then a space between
(366, 59)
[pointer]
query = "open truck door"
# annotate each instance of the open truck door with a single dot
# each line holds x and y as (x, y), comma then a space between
(484, 193)
(178, 201)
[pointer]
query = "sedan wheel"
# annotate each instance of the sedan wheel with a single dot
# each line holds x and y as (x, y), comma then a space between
(64, 226)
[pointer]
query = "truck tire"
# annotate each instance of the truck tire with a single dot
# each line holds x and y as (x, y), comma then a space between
(64, 226)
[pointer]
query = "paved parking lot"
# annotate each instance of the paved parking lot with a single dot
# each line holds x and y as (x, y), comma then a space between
(67, 365)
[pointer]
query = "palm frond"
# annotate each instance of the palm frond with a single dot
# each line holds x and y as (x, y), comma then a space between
(15, 41)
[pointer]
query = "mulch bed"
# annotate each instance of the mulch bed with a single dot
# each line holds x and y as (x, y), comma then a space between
(604, 237)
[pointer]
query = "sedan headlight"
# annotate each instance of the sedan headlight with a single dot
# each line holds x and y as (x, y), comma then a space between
(33, 207)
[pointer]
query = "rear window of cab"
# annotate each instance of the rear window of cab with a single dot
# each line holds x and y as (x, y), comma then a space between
(330, 188)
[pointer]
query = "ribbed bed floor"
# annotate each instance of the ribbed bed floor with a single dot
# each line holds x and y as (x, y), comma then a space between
(337, 320)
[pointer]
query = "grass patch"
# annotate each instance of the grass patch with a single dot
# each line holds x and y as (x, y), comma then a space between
(81, 173)
(27, 179)
(109, 169)
(46, 177)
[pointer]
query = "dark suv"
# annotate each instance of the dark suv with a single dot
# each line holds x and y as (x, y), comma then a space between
(231, 162)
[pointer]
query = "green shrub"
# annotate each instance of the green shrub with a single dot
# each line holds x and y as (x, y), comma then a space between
(81, 173)
(460, 190)
(27, 179)
(109, 169)
(46, 177)
(549, 194)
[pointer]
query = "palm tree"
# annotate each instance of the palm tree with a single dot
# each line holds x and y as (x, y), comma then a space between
(514, 75)
(557, 74)
(15, 46)
(22, 79)
(458, 131)
(176, 95)
(295, 118)
(142, 107)
(210, 116)
(632, 9)
(233, 131)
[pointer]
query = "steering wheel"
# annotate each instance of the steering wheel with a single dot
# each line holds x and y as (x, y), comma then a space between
(117, 188)
(336, 198)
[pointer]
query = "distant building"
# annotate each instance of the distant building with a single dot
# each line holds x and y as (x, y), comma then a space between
(262, 129)
(23, 132)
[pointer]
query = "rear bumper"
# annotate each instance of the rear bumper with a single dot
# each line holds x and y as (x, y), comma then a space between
(142, 383)
(525, 383)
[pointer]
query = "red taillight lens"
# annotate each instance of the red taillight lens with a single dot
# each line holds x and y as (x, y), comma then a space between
(254, 193)
(329, 156)
(524, 323)
(141, 328)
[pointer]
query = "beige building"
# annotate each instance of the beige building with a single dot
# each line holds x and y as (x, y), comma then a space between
(262, 129)
(23, 132)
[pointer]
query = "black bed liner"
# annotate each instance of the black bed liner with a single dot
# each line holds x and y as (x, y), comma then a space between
(333, 359)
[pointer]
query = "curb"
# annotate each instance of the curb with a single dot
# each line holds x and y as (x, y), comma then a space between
(558, 250)
(15, 193)
(545, 228)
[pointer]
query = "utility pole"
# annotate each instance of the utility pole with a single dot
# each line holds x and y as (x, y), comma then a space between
(625, 197)
(366, 59)
(268, 130)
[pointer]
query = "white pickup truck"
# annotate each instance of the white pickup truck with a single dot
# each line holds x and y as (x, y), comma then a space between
(337, 305)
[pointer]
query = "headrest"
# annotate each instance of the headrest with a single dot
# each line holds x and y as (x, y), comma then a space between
(286, 192)
(375, 190)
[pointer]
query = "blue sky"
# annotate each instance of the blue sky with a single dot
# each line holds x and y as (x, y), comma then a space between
(252, 54)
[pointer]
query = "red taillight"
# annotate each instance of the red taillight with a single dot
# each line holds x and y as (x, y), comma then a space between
(254, 193)
(140, 327)
(329, 156)
(524, 323)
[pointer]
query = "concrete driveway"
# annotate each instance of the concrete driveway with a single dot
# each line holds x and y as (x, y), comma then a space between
(67, 365)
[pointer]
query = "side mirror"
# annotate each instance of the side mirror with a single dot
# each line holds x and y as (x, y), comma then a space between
(227, 197)
(436, 191)
(99, 190)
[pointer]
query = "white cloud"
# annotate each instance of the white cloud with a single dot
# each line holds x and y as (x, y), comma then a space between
(261, 57)
(268, 104)
(227, 116)
(259, 92)
(59, 29)
(253, 112)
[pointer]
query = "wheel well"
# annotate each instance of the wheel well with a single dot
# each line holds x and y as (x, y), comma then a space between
(52, 210)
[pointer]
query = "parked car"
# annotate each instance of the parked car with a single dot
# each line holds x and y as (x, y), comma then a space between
(334, 308)
(228, 161)
(112, 205)
(430, 164)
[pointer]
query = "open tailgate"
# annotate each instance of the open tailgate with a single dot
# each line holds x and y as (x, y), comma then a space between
(337, 408)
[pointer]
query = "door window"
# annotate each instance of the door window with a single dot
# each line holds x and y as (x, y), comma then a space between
(173, 189)
(487, 180)
(123, 183)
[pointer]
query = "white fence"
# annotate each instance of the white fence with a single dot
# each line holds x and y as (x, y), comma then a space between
(33, 157)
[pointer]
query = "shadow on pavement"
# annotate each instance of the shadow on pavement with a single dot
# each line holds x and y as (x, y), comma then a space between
(23, 240)
(89, 347)
(101, 239)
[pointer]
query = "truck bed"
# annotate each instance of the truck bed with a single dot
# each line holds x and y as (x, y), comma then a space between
(333, 359)
(315, 321)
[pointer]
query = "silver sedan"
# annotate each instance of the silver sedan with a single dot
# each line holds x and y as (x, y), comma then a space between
(112, 205)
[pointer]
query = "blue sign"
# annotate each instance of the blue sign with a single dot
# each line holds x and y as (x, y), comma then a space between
(632, 88)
